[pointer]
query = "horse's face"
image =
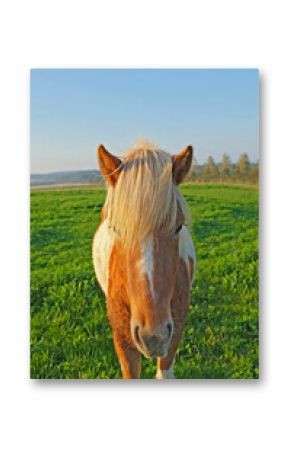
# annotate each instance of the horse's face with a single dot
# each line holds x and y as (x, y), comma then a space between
(152, 275)
(151, 269)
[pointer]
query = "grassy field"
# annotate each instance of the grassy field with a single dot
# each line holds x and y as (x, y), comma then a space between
(70, 334)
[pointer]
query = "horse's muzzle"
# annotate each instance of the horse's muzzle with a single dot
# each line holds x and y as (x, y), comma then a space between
(153, 343)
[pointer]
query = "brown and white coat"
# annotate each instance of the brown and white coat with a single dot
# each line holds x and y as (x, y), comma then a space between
(145, 273)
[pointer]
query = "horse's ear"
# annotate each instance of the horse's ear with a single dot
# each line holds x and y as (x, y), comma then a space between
(108, 165)
(181, 164)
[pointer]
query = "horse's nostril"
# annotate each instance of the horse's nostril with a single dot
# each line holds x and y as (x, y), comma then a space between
(170, 328)
(137, 335)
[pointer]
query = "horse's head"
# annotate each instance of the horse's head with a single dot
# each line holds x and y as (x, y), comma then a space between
(146, 213)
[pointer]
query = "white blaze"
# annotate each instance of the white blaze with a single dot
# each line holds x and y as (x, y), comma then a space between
(147, 262)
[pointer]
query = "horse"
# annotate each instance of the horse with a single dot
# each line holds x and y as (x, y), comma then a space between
(143, 254)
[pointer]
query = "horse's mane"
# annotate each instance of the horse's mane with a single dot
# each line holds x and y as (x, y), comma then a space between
(144, 199)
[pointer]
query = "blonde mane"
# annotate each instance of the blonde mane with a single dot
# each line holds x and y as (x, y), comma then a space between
(144, 199)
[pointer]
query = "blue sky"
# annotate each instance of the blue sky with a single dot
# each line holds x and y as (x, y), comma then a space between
(74, 110)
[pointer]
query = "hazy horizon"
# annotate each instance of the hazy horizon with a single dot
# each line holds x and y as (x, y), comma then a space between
(98, 169)
(74, 110)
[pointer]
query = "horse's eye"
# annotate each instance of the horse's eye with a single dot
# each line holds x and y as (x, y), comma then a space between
(178, 229)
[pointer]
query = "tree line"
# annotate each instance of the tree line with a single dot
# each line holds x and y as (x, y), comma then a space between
(243, 171)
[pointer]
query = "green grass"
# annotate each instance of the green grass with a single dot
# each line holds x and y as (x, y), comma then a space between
(70, 334)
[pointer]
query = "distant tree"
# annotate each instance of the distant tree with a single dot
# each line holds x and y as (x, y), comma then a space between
(226, 166)
(210, 169)
(194, 171)
(235, 171)
(254, 175)
(244, 165)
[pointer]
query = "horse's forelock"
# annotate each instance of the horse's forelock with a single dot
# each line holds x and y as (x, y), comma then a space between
(145, 199)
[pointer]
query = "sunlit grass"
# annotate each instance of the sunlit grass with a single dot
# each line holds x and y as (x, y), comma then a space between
(70, 334)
